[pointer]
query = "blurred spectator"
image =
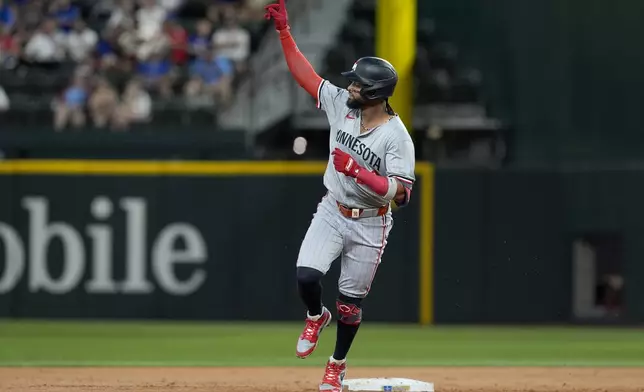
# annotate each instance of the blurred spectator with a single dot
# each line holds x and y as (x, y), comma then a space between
(102, 8)
(103, 103)
(159, 44)
(127, 41)
(85, 69)
(4, 100)
(31, 14)
(156, 73)
(218, 8)
(65, 13)
(8, 14)
(210, 77)
(71, 105)
(116, 70)
(170, 6)
(212, 14)
(137, 38)
(122, 16)
(135, 107)
(254, 9)
(149, 19)
(131, 45)
(105, 45)
(10, 46)
(46, 45)
(202, 39)
(177, 40)
(140, 38)
(81, 41)
(233, 41)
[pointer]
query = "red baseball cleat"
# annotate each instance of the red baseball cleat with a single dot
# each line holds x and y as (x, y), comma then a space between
(308, 340)
(333, 376)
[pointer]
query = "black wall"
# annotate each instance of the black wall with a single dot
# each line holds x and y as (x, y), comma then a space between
(251, 228)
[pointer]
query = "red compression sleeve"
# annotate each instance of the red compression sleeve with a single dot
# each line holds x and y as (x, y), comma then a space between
(299, 66)
(378, 184)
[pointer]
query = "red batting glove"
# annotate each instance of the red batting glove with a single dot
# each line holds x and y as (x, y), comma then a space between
(278, 13)
(345, 164)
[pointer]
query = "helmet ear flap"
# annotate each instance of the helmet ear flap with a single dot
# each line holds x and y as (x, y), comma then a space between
(368, 94)
(372, 92)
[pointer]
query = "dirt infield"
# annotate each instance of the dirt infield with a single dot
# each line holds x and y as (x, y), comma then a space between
(305, 379)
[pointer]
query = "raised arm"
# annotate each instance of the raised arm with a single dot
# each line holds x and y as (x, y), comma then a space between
(300, 68)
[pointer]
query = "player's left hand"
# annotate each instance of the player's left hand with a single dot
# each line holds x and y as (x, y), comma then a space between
(344, 163)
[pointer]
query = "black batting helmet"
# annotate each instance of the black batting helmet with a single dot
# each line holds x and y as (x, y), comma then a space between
(377, 77)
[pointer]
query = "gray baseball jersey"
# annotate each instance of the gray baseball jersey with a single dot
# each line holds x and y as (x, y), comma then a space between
(387, 149)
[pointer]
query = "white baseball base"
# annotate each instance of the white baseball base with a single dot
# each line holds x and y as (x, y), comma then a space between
(387, 385)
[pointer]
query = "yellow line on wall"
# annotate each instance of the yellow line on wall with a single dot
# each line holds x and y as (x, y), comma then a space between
(426, 246)
(137, 168)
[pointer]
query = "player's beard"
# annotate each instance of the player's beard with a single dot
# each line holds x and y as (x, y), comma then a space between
(354, 103)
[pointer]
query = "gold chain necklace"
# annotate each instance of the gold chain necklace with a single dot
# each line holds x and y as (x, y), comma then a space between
(366, 129)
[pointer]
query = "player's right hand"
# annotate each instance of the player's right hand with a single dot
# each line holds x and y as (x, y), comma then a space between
(277, 12)
(345, 164)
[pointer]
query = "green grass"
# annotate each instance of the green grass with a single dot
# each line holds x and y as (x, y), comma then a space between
(31, 343)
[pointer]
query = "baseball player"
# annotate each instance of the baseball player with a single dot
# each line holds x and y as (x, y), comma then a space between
(371, 164)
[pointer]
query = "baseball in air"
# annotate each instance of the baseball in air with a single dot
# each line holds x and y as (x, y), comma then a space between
(299, 145)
